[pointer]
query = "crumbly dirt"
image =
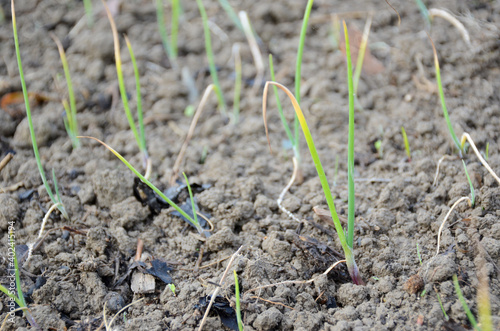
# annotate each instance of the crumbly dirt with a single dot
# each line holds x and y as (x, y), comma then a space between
(397, 207)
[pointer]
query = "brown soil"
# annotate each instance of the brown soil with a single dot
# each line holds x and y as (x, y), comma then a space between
(396, 205)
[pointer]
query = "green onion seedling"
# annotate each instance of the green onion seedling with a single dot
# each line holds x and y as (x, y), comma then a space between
(139, 135)
(407, 144)
(193, 206)
(289, 134)
(160, 18)
(424, 11)
(348, 251)
(211, 59)
(231, 13)
(72, 123)
(30, 121)
(465, 136)
(88, 12)
(238, 306)
(441, 305)
(154, 188)
(361, 53)
(487, 151)
(443, 102)
(469, 314)
(174, 27)
(298, 72)
(470, 184)
(346, 242)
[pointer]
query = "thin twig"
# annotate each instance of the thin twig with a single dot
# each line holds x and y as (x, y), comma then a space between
(140, 247)
(6, 160)
(285, 190)
(272, 302)
(446, 217)
(433, 12)
(444, 157)
(297, 281)
(196, 117)
(465, 136)
(11, 188)
(214, 294)
(42, 228)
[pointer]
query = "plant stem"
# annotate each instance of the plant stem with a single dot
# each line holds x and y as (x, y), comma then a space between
(350, 148)
(28, 115)
(160, 17)
(298, 73)
(176, 10)
(210, 56)
(142, 137)
(351, 264)
(280, 108)
(443, 102)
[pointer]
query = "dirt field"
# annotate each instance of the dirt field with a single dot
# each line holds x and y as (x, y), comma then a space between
(76, 270)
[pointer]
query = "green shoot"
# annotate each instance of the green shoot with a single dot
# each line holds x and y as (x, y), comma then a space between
(172, 288)
(139, 136)
(350, 148)
(210, 56)
(174, 27)
(361, 53)
(30, 121)
(348, 251)
(160, 17)
(470, 184)
(443, 102)
(238, 306)
(88, 12)
(378, 146)
(193, 205)
(407, 144)
(418, 254)
(231, 13)
(142, 142)
(280, 108)
(424, 11)
(423, 293)
(237, 83)
(471, 318)
(72, 123)
(189, 111)
(298, 73)
(487, 151)
(154, 188)
(442, 307)
(346, 242)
